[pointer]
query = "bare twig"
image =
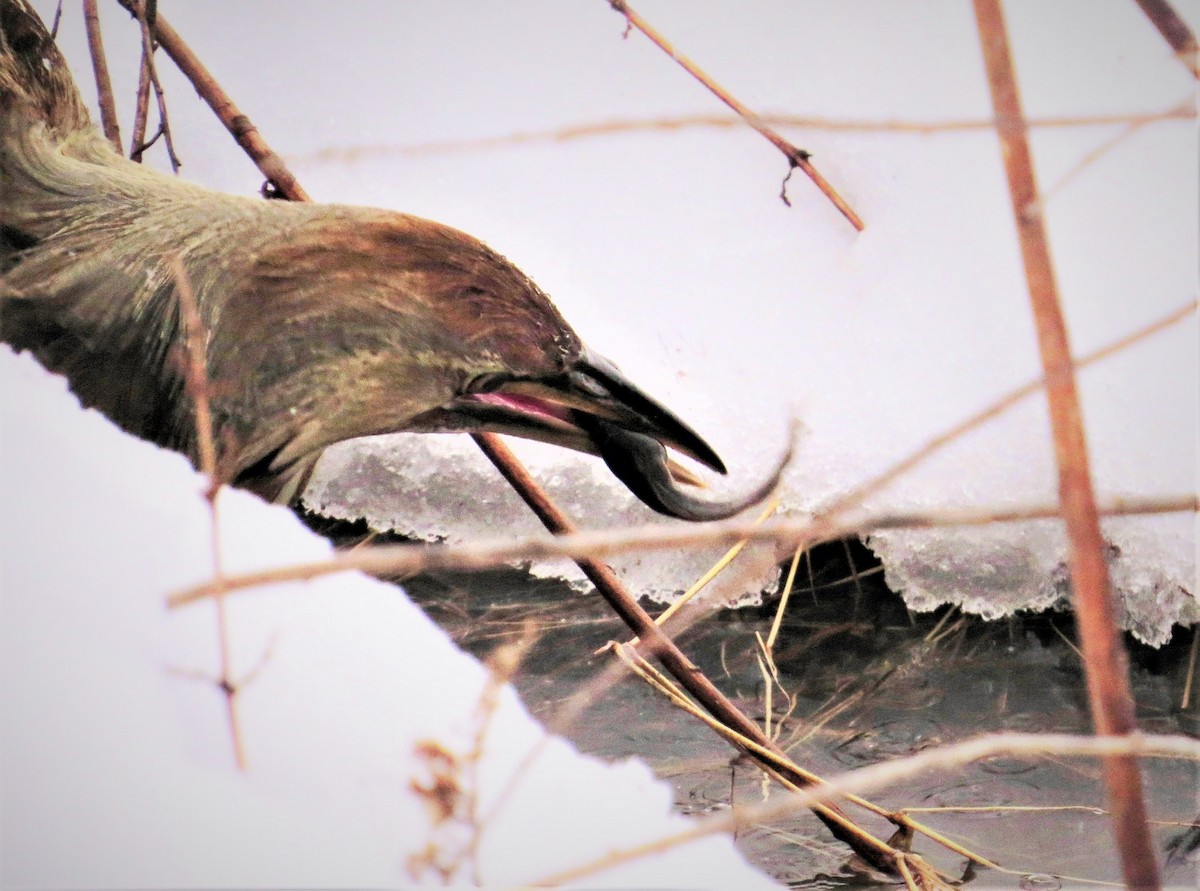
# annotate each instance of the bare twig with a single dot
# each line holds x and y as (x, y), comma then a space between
(887, 773)
(196, 381)
(1105, 662)
(784, 597)
(141, 110)
(661, 646)
(1175, 32)
(104, 90)
(230, 115)
(796, 157)
(1184, 111)
(409, 559)
(149, 73)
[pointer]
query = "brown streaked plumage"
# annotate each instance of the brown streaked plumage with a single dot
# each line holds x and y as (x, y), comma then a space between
(323, 322)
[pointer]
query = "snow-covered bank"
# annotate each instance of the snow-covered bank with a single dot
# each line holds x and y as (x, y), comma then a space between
(117, 764)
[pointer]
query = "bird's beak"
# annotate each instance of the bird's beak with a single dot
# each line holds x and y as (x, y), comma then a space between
(592, 407)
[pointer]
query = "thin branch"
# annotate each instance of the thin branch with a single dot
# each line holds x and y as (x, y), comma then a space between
(1105, 660)
(887, 773)
(150, 73)
(661, 645)
(196, 373)
(230, 115)
(1175, 32)
(1184, 111)
(104, 90)
(796, 157)
(409, 559)
(196, 382)
(141, 110)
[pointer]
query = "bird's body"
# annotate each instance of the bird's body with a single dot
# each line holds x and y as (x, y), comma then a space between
(322, 322)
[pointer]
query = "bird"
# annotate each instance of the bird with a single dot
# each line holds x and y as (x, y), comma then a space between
(320, 322)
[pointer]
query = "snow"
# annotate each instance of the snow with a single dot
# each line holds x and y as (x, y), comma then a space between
(118, 769)
(671, 255)
(670, 252)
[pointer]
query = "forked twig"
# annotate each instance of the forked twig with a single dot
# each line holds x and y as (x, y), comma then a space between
(146, 79)
(104, 90)
(797, 158)
(227, 112)
(1105, 661)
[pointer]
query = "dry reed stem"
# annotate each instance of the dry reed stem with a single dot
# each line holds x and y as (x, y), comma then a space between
(227, 112)
(797, 158)
(1105, 663)
(197, 385)
(104, 90)
(1184, 111)
(784, 597)
(778, 766)
(658, 643)
(408, 559)
(713, 571)
(1086, 161)
(882, 775)
(1175, 32)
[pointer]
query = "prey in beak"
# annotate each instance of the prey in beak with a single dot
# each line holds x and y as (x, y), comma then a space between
(592, 407)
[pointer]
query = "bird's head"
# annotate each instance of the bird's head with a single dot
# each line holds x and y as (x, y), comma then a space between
(377, 323)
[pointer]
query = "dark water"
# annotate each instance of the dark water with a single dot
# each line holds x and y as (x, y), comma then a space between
(867, 681)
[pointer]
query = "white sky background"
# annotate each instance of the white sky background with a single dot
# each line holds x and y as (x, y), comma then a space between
(670, 252)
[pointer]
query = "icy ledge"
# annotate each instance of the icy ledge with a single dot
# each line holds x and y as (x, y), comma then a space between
(117, 768)
(440, 487)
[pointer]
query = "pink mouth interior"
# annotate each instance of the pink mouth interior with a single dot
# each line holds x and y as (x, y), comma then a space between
(525, 405)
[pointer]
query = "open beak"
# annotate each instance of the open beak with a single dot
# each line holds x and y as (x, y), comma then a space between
(592, 407)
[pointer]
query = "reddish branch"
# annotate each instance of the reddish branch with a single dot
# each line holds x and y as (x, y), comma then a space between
(655, 641)
(1174, 31)
(797, 158)
(247, 136)
(104, 90)
(146, 79)
(1105, 660)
